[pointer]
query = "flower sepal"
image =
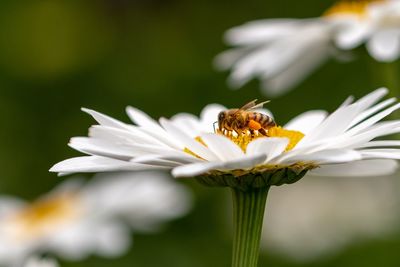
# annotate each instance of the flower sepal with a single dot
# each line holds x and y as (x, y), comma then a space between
(259, 177)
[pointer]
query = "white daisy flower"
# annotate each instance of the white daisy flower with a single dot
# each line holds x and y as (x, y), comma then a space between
(77, 219)
(341, 143)
(247, 152)
(282, 52)
(309, 220)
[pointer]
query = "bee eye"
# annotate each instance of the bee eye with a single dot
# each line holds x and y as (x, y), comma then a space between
(221, 116)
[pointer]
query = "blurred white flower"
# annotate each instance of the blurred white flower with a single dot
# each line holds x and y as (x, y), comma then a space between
(282, 52)
(35, 261)
(77, 219)
(374, 22)
(341, 143)
(321, 216)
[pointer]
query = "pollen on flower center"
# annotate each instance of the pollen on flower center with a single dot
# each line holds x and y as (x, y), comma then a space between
(43, 215)
(351, 7)
(242, 140)
(293, 136)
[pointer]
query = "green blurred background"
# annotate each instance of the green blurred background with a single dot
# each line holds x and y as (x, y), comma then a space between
(59, 55)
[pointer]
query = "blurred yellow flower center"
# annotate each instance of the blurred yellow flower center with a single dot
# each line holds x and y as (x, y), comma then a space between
(350, 7)
(43, 216)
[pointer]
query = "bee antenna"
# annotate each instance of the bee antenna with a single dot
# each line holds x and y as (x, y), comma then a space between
(214, 125)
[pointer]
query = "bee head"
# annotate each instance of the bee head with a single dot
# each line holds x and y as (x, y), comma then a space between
(221, 117)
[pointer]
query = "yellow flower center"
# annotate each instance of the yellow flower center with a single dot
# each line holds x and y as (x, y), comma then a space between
(242, 140)
(350, 7)
(293, 136)
(43, 216)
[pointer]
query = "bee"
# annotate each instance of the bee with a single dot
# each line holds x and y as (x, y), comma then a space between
(245, 119)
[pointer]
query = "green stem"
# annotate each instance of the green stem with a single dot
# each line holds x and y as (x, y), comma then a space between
(248, 215)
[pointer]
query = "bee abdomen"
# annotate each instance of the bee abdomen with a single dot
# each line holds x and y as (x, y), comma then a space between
(266, 121)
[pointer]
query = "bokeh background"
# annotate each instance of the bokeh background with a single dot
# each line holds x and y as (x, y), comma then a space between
(57, 56)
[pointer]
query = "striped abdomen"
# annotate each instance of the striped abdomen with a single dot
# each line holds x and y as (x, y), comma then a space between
(264, 120)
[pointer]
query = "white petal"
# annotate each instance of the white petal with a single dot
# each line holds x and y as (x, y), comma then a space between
(307, 121)
(349, 100)
(261, 31)
(188, 142)
(374, 119)
(163, 136)
(358, 168)
(372, 98)
(272, 147)
(191, 170)
(223, 147)
(332, 156)
(333, 125)
(386, 153)
(156, 161)
(296, 71)
(96, 164)
(9, 205)
(113, 239)
(66, 187)
(343, 118)
(367, 113)
(385, 45)
(188, 123)
(227, 59)
(145, 200)
(133, 135)
(352, 34)
(244, 163)
(40, 262)
(384, 143)
(275, 58)
(142, 119)
(209, 115)
(105, 120)
(87, 236)
(195, 169)
(182, 158)
(119, 151)
(377, 130)
(100, 147)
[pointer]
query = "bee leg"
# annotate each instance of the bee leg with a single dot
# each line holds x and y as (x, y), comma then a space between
(262, 131)
(251, 133)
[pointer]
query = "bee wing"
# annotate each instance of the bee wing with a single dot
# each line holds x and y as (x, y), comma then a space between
(249, 105)
(252, 105)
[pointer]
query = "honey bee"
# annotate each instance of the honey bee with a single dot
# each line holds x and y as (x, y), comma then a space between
(245, 119)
